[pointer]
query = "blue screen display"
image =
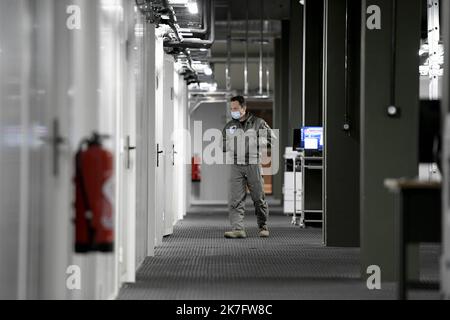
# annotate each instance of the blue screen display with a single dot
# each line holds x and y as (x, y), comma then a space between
(312, 138)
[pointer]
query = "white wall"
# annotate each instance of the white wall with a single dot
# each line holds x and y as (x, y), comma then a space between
(214, 185)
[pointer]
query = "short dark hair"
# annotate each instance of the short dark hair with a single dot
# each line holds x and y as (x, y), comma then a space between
(239, 99)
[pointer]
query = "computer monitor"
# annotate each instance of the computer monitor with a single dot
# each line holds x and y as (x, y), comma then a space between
(312, 139)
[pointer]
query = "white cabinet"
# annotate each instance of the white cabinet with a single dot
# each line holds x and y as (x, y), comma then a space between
(288, 192)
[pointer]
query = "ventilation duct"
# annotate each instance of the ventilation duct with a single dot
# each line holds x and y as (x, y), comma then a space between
(197, 43)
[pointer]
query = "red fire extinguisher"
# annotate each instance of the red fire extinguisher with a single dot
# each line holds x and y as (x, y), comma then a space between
(196, 169)
(94, 227)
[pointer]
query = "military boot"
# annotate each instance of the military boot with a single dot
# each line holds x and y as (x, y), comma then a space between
(264, 232)
(236, 234)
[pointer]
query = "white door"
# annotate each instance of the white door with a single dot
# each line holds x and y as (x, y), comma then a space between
(138, 70)
(128, 165)
(149, 116)
(98, 91)
(46, 205)
(128, 194)
(39, 122)
(180, 142)
(56, 218)
(15, 41)
(159, 146)
(169, 144)
(31, 168)
(54, 90)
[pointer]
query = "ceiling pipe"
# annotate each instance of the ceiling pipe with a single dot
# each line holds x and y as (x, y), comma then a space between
(199, 32)
(267, 75)
(172, 19)
(240, 60)
(228, 67)
(198, 103)
(198, 43)
(246, 51)
(261, 50)
(189, 61)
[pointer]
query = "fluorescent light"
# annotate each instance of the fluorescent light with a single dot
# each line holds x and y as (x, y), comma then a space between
(192, 7)
(205, 86)
(208, 71)
(178, 2)
(213, 87)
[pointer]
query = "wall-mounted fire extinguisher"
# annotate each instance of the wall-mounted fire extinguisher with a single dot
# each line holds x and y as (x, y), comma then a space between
(94, 227)
(196, 169)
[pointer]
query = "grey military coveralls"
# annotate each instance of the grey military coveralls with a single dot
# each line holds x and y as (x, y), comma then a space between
(244, 159)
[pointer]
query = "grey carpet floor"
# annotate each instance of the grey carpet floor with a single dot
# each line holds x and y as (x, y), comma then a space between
(198, 263)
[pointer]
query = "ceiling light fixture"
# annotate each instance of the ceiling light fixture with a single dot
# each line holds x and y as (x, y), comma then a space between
(192, 7)
(208, 71)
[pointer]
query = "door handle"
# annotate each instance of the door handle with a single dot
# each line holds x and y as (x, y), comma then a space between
(173, 155)
(55, 141)
(128, 149)
(158, 152)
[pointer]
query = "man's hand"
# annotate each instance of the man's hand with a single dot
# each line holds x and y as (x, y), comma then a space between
(265, 135)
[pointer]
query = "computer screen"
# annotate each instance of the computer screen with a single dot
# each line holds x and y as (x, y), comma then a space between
(312, 138)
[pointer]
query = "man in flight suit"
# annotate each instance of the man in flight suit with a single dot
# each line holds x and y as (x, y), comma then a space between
(243, 138)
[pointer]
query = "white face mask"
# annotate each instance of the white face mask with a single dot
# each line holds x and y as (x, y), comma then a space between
(236, 115)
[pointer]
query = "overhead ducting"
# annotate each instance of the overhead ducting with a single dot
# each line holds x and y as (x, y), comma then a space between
(159, 12)
(197, 43)
(172, 19)
(181, 42)
(206, 22)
